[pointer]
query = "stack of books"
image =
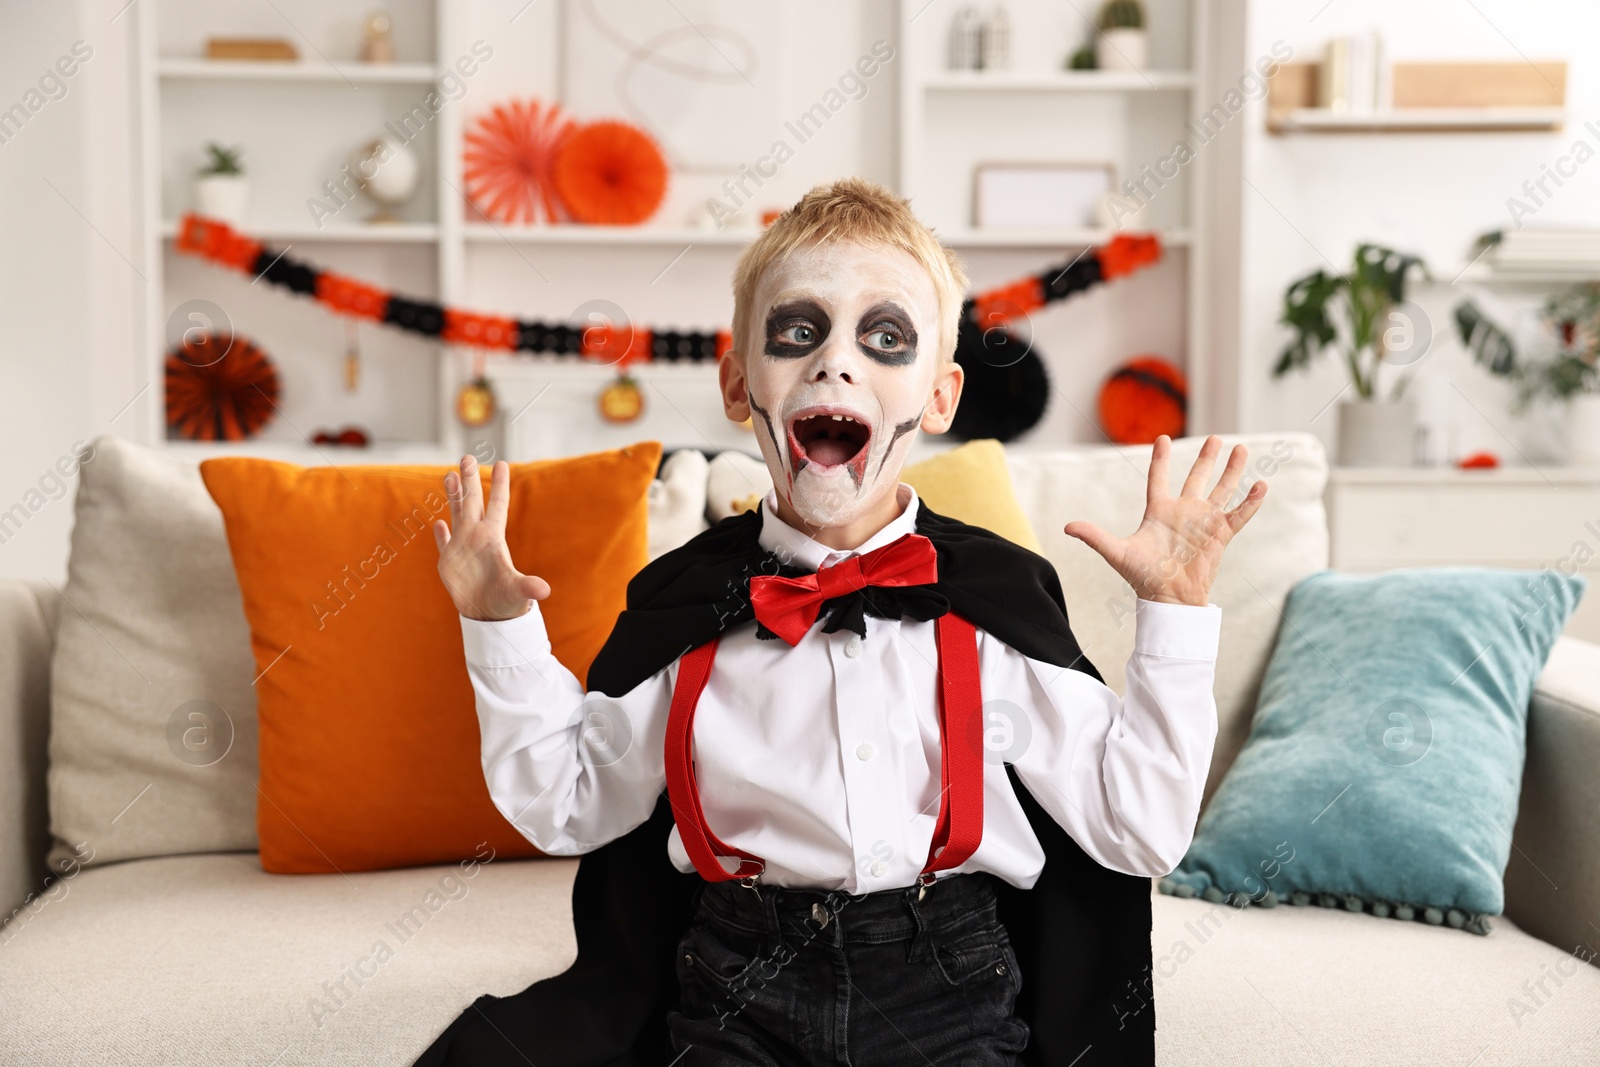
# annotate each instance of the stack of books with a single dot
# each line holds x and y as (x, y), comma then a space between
(1562, 249)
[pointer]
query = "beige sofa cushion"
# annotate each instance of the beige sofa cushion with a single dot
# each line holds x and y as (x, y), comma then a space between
(1287, 540)
(152, 669)
(210, 960)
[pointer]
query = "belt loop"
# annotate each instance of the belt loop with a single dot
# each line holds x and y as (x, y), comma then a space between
(920, 941)
(770, 918)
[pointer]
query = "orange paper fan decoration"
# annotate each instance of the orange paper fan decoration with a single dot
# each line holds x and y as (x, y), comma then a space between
(220, 387)
(610, 173)
(1144, 398)
(507, 161)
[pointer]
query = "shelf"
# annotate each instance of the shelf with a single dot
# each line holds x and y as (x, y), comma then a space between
(1042, 238)
(308, 455)
(1074, 81)
(301, 71)
(1419, 120)
(608, 235)
(1488, 275)
(377, 233)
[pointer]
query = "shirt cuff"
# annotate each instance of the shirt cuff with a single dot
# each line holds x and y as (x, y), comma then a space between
(1177, 631)
(507, 643)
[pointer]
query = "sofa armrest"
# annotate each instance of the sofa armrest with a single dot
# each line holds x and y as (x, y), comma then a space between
(27, 640)
(1553, 878)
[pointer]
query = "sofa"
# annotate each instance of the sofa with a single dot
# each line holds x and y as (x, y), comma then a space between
(200, 957)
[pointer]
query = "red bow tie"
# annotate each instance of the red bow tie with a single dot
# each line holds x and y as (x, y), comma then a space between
(789, 606)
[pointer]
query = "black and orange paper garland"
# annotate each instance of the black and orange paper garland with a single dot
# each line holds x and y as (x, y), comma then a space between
(1004, 393)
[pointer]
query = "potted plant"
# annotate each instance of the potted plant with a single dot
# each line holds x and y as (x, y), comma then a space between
(1566, 369)
(1365, 315)
(1122, 44)
(221, 190)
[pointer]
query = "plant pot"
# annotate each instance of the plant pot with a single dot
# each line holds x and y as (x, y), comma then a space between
(222, 196)
(1377, 433)
(1583, 430)
(1121, 49)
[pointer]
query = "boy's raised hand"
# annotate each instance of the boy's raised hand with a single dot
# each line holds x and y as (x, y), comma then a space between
(1173, 555)
(474, 561)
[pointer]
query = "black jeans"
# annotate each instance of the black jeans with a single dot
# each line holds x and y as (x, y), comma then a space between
(802, 976)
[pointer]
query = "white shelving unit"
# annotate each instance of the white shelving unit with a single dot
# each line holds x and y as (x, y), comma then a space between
(953, 120)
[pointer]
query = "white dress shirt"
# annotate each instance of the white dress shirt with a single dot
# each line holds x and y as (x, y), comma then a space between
(823, 758)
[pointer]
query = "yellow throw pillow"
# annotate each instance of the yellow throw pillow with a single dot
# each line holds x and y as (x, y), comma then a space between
(971, 483)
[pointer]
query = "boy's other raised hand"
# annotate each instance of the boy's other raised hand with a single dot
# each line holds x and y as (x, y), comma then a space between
(474, 561)
(1173, 555)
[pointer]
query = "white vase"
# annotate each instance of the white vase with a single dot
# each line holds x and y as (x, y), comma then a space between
(1121, 49)
(222, 196)
(1377, 433)
(1583, 430)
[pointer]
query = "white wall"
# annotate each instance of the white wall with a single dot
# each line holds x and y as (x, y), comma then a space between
(1314, 197)
(66, 288)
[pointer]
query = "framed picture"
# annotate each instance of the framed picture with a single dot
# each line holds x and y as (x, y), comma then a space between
(1039, 195)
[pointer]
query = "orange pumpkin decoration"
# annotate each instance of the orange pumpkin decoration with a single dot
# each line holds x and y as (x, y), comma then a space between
(610, 173)
(622, 400)
(220, 387)
(1144, 398)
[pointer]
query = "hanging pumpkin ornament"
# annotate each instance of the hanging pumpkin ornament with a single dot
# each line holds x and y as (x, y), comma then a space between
(475, 403)
(220, 387)
(622, 400)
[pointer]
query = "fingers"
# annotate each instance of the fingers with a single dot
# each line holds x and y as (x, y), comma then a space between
(452, 493)
(1159, 486)
(533, 587)
(471, 491)
(499, 494)
(1200, 473)
(1093, 536)
(441, 534)
(1229, 482)
(1248, 507)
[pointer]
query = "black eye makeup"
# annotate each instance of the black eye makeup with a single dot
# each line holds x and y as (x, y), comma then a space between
(886, 335)
(796, 329)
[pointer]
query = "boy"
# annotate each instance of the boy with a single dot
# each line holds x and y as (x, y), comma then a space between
(841, 870)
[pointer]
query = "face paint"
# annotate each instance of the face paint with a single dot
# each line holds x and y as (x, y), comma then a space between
(841, 374)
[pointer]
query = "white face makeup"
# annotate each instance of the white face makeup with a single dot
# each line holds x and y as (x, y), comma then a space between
(843, 362)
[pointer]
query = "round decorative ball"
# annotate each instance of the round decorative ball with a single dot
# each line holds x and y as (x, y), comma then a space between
(1144, 398)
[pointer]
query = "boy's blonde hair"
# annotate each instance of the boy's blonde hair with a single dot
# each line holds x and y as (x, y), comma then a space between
(851, 209)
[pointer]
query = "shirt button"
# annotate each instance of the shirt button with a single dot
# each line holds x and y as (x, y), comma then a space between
(852, 647)
(880, 869)
(864, 750)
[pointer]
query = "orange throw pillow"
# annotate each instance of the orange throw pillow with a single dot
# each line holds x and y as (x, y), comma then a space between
(369, 738)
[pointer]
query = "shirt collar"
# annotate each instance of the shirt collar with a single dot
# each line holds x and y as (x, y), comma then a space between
(797, 548)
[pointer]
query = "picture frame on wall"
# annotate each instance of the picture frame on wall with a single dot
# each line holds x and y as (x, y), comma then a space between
(1039, 195)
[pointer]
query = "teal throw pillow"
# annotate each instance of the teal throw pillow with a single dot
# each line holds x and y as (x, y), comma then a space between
(1384, 763)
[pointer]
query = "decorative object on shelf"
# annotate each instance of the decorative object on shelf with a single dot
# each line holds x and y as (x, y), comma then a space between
(1414, 97)
(966, 39)
(1122, 44)
(1363, 313)
(506, 164)
(996, 51)
(352, 357)
(221, 190)
(770, 215)
(610, 173)
(993, 309)
(274, 48)
(1479, 461)
(475, 404)
(1007, 387)
(220, 387)
(1565, 366)
(377, 38)
(1042, 195)
(349, 437)
(622, 400)
(1083, 58)
(389, 174)
(1354, 77)
(1144, 398)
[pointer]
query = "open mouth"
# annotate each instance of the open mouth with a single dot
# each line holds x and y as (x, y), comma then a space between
(829, 439)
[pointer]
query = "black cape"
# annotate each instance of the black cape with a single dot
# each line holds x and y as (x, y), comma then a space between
(1081, 934)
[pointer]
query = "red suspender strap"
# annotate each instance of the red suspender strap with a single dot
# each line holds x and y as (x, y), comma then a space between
(703, 846)
(959, 828)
